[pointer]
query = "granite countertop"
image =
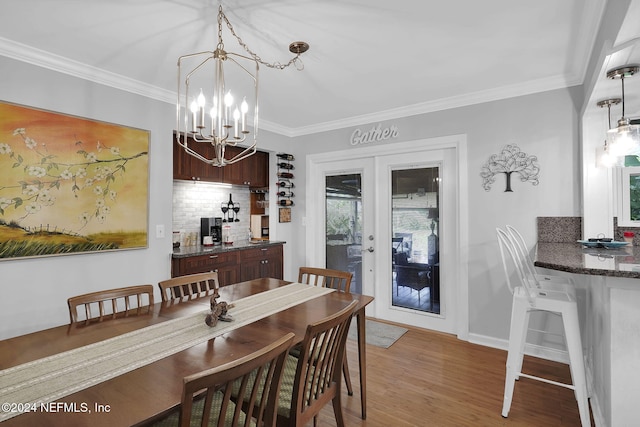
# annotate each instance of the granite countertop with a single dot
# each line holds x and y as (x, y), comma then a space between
(573, 258)
(189, 251)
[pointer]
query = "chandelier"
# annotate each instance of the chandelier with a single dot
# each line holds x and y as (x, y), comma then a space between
(624, 139)
(213, 116)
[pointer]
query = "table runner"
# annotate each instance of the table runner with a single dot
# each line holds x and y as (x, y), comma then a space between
(48, 379)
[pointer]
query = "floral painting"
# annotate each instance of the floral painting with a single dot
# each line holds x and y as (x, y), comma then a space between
(70, 185)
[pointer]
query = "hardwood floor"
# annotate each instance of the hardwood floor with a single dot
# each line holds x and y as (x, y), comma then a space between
(433, 379)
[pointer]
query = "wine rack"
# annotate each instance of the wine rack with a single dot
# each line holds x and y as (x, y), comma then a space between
(285, 179)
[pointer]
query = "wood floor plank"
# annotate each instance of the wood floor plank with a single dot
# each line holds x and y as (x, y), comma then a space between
(429, 378)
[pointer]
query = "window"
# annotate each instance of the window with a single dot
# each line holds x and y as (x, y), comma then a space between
(629, 212)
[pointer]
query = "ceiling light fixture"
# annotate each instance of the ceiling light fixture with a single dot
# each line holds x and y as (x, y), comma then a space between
(226, 124)
(608, 158)
(625, 138)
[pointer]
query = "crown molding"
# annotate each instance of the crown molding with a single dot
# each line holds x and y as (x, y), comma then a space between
(41, 58)
(504, 92)
(51, 61)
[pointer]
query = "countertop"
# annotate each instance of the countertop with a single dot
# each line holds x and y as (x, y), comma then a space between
(189, 251)
(573, 258)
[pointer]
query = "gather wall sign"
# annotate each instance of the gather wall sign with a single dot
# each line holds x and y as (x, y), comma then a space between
(375, 134)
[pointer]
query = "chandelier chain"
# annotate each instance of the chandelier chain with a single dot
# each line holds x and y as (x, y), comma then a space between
(277, 65)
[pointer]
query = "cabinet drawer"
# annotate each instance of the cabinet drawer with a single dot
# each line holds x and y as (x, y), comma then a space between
(204, 263)
(261, 253)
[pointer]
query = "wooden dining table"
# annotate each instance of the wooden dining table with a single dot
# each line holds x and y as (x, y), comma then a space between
(147, 393)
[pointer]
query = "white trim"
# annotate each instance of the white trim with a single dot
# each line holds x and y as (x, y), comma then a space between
(459, 143)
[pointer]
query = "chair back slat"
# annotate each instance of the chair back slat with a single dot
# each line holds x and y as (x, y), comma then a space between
(191, 286)
(119, 301)
(325, 277)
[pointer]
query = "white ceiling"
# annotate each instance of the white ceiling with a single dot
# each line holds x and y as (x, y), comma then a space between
(369, 60)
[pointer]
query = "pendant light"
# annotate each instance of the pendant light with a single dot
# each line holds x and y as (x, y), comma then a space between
(209, 111)
(624, 139)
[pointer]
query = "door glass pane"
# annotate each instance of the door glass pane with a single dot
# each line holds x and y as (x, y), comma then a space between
(344, 226)
(415, 245)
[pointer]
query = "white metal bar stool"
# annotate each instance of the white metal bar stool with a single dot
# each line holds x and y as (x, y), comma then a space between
(528, 298)
(542, 281)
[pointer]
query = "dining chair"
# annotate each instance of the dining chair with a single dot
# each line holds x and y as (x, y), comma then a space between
(111, 303)
(210, 398)
(192, 286)
(313, 379)
(543, 281)
(528, 298)
(329, 278)
(326, 277)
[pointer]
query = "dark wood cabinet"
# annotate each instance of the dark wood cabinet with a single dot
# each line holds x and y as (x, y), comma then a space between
(226, 264)
(235, 265)
(262, 262)
(252, 171)
(190, 168)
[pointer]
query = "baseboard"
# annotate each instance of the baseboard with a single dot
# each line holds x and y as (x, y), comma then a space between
(529, 349)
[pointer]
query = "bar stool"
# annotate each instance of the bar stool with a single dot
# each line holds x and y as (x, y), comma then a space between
(541, 281)
(528, 298)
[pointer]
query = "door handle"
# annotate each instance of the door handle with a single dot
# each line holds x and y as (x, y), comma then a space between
(369, 249)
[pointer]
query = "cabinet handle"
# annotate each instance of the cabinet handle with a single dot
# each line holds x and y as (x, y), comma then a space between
(264, 249)
(213, 256)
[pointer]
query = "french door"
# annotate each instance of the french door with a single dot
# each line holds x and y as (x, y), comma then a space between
(345, 220)
(392, 220)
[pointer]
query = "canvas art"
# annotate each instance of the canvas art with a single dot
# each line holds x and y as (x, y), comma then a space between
(70, 185)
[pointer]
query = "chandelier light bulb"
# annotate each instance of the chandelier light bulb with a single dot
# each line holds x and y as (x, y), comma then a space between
(201, 100)
(228, 99)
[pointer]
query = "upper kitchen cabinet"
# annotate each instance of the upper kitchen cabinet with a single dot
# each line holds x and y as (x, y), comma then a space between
(252, 171)
(190, 168)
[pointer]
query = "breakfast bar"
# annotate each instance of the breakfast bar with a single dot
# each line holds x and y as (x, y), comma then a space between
(608, 292)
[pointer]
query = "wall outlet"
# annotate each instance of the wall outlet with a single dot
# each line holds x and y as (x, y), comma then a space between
(160, 231)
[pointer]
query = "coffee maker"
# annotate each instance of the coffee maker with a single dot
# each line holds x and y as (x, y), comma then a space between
(211, 227)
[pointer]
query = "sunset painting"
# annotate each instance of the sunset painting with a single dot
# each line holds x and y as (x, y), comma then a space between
(70, 185)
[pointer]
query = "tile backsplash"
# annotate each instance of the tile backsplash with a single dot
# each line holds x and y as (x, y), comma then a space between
(195, 200)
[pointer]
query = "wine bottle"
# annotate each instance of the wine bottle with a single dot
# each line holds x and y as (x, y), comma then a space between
(285, 184)
(285, 166)
(285, 202)
(285, 175)
(285, 156)
(285, 194)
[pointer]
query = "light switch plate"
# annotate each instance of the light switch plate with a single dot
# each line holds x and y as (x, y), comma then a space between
(160, 231)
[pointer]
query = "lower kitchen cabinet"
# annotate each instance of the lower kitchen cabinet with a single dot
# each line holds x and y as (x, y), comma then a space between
(262, 262)
(233, 266)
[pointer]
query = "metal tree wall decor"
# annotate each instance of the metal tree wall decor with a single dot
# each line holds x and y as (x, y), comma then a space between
(508, 161)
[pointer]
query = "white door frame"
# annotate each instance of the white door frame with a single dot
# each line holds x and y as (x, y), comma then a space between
(461, 216)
